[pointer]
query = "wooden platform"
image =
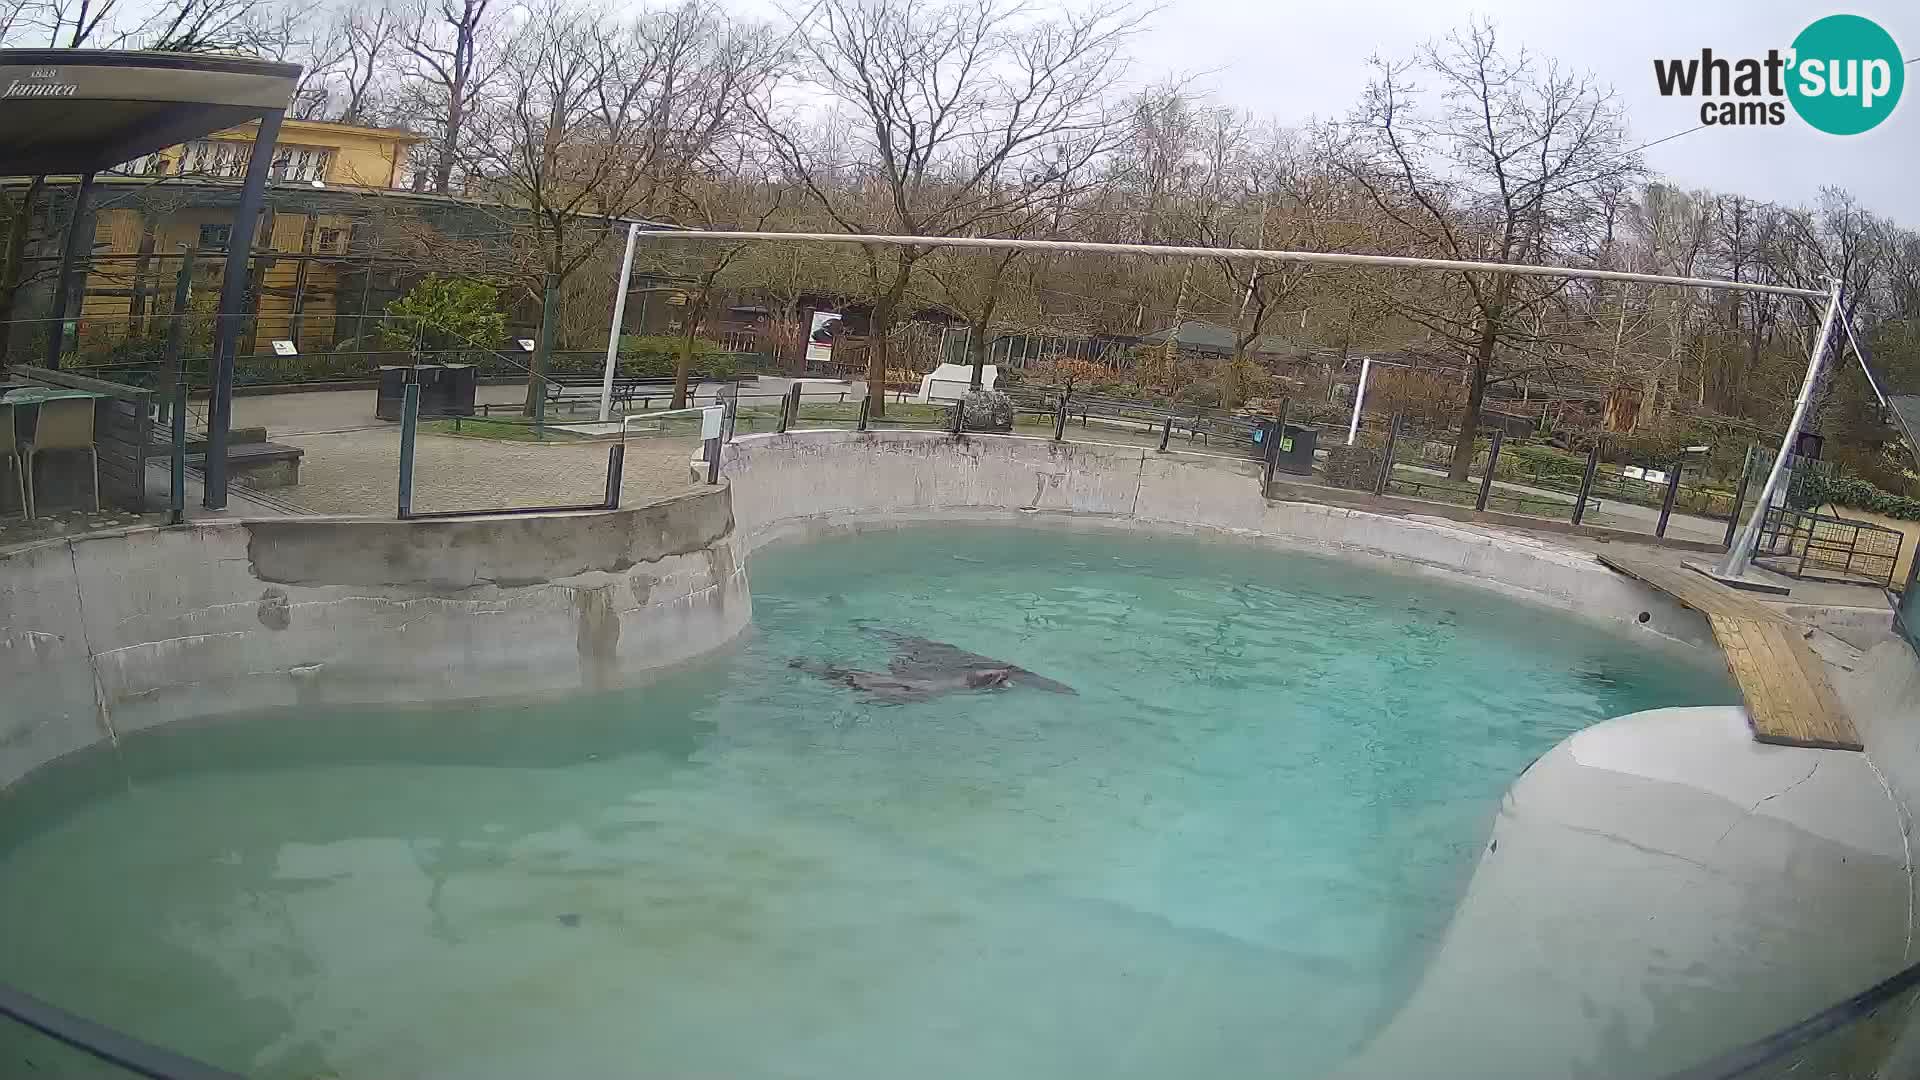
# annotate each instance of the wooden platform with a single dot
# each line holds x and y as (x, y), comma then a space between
(1789, 700)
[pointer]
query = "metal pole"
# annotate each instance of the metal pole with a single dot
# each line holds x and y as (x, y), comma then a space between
(616, 468)
(1359, 395)
(1586, 483)
(866, 403)
(1166, 432)
(177, 499)
(1336, 258)
(77, 240)
(619, 322)
(409, 422)
(1060, 418)
(1666, 504)
(713, 460)
(182, 301)
(959, 416)
(233, 295)
(1493, 462)
(1386, 466)
(1740, 554)
(1740, 497)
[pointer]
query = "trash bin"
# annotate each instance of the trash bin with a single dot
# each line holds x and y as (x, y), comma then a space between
(433, 388)
(1296, 450)
(459, 383)
(389, 398)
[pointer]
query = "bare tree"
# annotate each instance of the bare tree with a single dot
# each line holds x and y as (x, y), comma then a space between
(452, 53)
(597, 122)
(944, 117)
(343, 58)
(1504, 167)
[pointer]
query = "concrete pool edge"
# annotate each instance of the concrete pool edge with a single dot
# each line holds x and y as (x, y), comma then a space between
(808, 484)
(110, 633)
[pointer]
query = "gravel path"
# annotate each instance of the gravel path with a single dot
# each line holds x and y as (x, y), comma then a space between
(358, 472)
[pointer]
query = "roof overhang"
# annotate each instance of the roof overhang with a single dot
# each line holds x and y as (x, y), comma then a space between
(80, 110)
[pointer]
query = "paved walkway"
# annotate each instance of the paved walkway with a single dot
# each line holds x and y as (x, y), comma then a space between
(358, 472)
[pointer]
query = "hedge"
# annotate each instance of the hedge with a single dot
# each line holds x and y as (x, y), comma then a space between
(1857, 493)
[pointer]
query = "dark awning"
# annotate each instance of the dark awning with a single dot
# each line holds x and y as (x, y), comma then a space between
(80, 111)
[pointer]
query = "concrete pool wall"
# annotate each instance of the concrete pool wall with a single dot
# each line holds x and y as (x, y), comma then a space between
(107, 634)
(810, 483)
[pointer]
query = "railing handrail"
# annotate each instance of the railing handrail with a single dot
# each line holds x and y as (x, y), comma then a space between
(102, 1042)
(1768, 1049)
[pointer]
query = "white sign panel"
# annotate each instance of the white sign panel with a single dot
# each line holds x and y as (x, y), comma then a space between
(710, 420)
(526, 344)
(820, 337)
(284, 348)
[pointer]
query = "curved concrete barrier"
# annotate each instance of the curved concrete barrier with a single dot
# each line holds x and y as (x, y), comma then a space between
(808, 483)
(103, 635)
(1658, 890)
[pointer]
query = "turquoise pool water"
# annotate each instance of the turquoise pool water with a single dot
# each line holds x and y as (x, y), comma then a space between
(1229, 854)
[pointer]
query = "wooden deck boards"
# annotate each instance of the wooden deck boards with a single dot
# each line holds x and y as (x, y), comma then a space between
(1789, 700)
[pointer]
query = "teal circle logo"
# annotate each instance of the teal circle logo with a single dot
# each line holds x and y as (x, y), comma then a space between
(1847, 74)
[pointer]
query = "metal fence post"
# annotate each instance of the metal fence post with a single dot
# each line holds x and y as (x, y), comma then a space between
(713, 460)
(1166, 432)
(1666, 503)
(866, 403)
(1586, 483)
(1493, 461)
(409, 422)
(1060, 418)
(1268, 460)
(959, 417)
(1740, 498)
(1386, 465)
(182, 306)
(616, 465)
(177, 500)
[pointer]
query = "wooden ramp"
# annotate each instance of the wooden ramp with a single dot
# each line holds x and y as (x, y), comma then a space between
(1789, 700)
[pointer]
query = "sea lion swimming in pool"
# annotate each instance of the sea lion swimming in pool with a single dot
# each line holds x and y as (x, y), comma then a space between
(922, 668)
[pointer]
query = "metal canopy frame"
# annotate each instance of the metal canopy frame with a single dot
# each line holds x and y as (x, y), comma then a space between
(79, 111)
(1732, 567)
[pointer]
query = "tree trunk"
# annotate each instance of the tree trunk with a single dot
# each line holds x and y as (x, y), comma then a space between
(443, 168)
(536, 404)
(878, 333)
(13, 268)
(1463, 446)
(683, 364)
(1230, 379)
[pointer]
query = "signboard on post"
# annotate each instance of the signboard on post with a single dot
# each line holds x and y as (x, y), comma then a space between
(820, 337)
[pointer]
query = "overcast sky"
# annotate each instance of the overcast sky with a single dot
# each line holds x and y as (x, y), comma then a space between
(1307, 58)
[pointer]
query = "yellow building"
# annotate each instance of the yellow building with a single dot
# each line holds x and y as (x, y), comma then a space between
(137, 243)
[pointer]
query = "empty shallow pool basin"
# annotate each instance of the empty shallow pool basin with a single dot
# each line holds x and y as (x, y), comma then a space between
(1229, 852)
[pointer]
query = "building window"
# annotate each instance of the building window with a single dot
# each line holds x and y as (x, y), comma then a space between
(227, 159)
(332, 242)
(144, 165)
(301, 164)
(215, 237)
(215, 157)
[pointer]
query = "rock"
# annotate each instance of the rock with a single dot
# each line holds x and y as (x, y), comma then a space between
(986, 410)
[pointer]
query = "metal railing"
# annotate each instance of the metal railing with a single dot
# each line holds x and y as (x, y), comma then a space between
(1815, 547)
(100, 1042)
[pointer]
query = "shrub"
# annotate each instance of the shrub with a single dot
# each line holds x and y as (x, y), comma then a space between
(445, 313)
(1861, 495)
